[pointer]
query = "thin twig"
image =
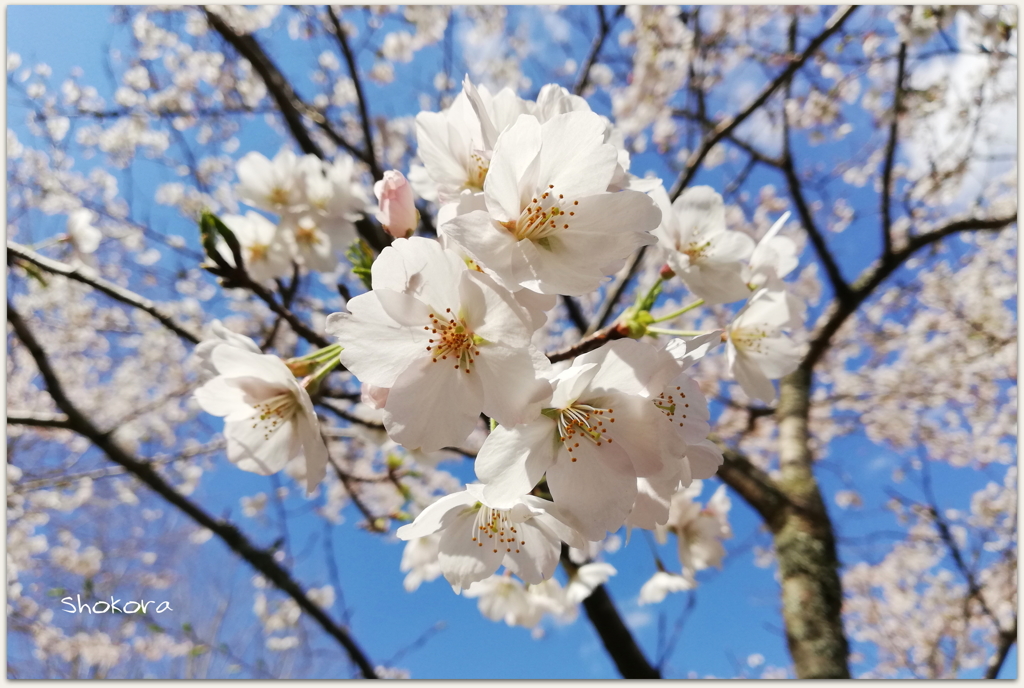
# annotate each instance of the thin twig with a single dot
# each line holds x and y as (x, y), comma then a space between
(112, 290)
(726, 126)
(364, 117)
(890, 152)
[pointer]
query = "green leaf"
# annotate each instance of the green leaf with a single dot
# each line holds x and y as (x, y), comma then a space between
(361, 256)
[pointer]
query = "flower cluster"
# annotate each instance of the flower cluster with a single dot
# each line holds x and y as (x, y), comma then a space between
(534, 200)
(317, 205)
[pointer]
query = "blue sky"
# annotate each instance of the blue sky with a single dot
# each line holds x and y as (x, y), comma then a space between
(737, 610)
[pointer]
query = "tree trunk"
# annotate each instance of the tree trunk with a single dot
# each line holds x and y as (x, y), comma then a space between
(812, 593)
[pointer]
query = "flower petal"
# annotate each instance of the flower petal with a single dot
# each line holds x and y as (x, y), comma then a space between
(414, 418)
(513, 460)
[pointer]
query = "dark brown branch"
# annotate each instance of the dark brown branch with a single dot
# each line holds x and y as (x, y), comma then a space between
(873, 277)
(890, 152)
(605, 28)
(726, 126)
(261, 560)
(590, 343)
(112, 290)
(1007, 639)
(618, 641)
(280, 89)
(572, 307)
(835, 277)
(754, 485)
(796, 191)
(364, 117)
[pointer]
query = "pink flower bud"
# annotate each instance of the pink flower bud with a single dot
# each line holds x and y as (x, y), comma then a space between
(397, 211)
(374, 397)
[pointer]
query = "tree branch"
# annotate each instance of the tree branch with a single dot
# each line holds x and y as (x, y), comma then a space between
(364, 117)
(261, 560)
(618, 641)
(873, 277)
(39, 420)
(890, 152)
(726, 126)
(112, 290)
(595, 48)
(755, 486)
(590, 343)
(1006, 641)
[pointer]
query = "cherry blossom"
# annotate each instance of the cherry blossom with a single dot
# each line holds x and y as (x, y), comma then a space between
(477, 539)
(548, 227)
(758, 346)
(618, 413)
(433, 328)
(698, 247)
(268, 416)
(397, 213)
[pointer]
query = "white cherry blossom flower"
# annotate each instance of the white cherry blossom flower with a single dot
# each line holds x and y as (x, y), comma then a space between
(586, 579)
(268, 416)
(759, 349)
(320, 224)
(264, 250)
(419, 561)
(271, 185)
(661, 584)
(551, 225)
(84, 236)
(699, 530)
(216, 335)
(455, 145)
(476, 539)
(432, 329)
(774, 257)
(698, 247)
(613, 416)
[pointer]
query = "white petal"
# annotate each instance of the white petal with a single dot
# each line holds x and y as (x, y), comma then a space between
(464, 561)
(512, 390)
(414, 418)
(574, 157)
(534, 554)
(753, 381)
(597, 491)
(376, 348)
(705, 458)
(513, 460)
(436, 516)
(515, 159)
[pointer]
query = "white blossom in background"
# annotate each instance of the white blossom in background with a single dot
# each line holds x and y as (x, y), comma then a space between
(419, 561)
(696, 244)
(759, 346)
(268, 416)
(265, 251)
(84, 236)
(699, 530)
(661, 584)
(271, 185)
